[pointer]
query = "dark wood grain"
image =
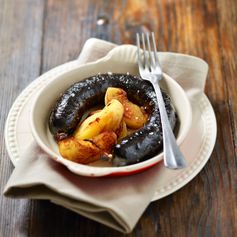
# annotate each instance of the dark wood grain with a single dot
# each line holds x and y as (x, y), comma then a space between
(20, 56)
(38, 35)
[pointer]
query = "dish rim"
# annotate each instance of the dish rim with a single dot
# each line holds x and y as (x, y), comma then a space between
(87, 170)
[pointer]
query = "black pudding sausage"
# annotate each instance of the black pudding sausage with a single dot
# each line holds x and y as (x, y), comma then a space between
(81, 96)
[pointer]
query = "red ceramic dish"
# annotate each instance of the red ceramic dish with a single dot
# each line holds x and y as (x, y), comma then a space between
(118, 61)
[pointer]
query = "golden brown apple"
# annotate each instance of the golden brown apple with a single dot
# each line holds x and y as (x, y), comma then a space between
(108, 119)
(134, 116)
(87, 151)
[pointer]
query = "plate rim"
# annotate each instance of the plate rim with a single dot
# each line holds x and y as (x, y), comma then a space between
(210, 134)
(21, 100)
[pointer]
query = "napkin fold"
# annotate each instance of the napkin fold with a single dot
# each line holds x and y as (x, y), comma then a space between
(117, 202)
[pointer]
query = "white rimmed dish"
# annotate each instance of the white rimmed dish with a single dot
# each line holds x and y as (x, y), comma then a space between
(48, 95)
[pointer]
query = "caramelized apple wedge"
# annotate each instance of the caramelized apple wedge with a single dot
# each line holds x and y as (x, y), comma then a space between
(122, 130)
(105, 141)
(134, 116)
(87, 151)
(108, 119)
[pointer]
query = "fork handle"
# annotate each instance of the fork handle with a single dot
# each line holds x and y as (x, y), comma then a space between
(173, 158)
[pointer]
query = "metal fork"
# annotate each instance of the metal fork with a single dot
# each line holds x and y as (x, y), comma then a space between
(150, 69)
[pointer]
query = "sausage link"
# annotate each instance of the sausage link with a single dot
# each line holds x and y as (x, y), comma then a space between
(83, 95)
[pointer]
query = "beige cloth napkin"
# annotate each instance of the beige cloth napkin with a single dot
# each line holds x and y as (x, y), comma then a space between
(116, 202)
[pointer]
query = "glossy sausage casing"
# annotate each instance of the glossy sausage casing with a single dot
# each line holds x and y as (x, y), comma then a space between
(83, 95)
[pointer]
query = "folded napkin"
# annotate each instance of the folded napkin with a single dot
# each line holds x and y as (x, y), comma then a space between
(116, 202)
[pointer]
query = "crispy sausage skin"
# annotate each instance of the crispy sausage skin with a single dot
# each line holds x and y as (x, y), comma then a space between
(83, 95)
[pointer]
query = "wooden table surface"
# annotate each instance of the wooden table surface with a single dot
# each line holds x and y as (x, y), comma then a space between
(37, 35)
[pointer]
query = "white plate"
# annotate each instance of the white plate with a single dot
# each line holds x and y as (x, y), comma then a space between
(197, 147)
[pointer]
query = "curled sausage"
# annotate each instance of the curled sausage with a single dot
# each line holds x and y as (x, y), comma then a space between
(81, 96)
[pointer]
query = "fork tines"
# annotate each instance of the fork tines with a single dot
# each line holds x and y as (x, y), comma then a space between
(149, 59)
